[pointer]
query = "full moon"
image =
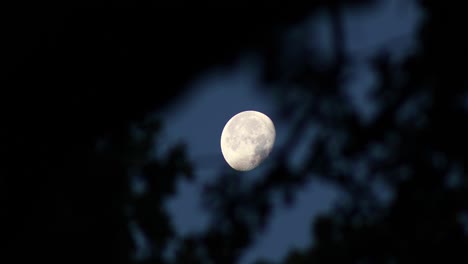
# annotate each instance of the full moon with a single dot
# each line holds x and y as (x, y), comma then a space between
(247, 140)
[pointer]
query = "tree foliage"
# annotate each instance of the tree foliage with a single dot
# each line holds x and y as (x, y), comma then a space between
(75, 142)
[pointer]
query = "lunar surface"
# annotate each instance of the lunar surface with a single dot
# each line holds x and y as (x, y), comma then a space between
(247, 140)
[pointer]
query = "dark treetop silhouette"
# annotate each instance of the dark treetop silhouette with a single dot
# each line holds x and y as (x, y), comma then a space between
(75, 83)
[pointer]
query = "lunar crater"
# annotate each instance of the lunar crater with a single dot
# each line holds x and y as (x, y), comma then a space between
(247, 140)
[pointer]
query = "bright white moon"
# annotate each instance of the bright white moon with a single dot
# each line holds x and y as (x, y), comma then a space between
(247, 140)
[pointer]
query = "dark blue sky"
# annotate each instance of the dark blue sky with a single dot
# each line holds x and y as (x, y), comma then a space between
(199, 120)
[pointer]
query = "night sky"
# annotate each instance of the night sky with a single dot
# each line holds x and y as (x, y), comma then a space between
(78, 186)
(225, 91)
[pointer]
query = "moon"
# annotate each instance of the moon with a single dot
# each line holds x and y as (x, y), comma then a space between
(247, 140)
